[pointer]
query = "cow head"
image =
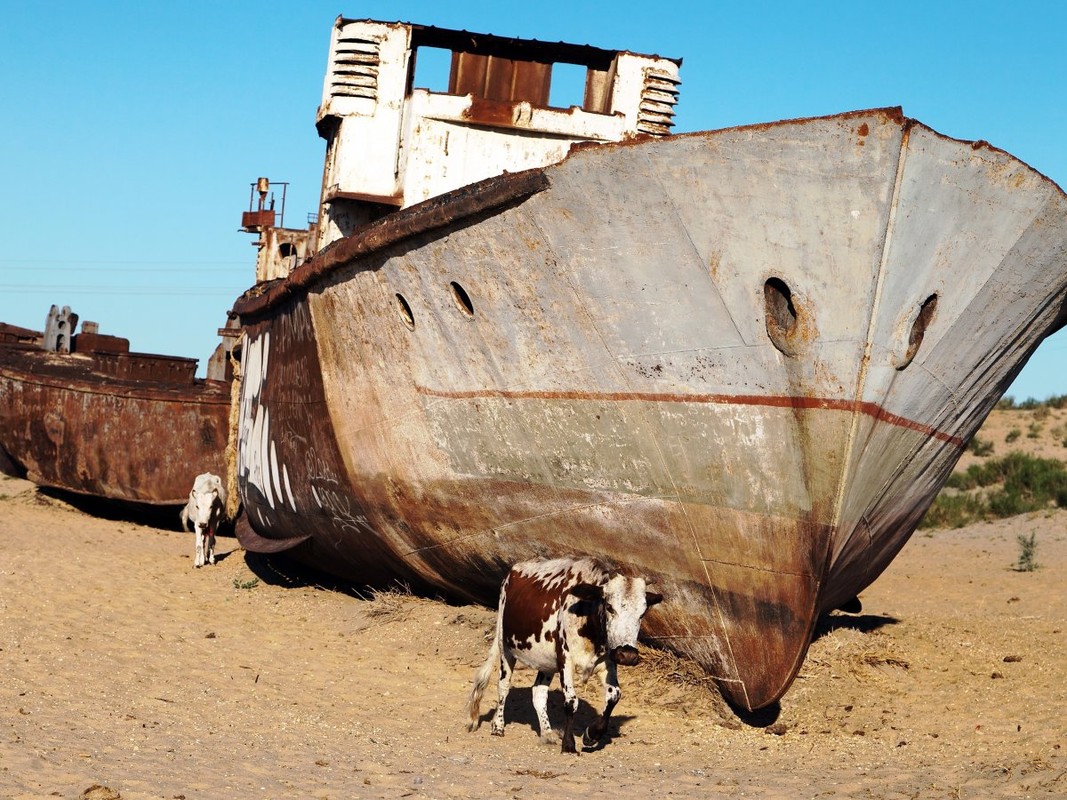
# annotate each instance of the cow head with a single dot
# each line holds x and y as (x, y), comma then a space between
(624, 603)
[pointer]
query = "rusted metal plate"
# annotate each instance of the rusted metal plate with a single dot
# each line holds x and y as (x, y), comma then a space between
(106, 425)
(489, 196)
(705, 356)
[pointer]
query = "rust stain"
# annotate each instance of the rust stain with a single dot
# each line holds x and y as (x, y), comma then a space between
(115, 425)
(430, 215)
(490, 112)
(873, 410)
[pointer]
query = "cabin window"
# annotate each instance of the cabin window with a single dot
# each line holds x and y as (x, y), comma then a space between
(405, 312)
(432, 68)
(568, 85)
(462, 299)
(289, 255)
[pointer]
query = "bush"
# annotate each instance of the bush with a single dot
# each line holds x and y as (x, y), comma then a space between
(1022, 483)
(980, 447)
(1013, 434)
(953, 511)
(1027, 552)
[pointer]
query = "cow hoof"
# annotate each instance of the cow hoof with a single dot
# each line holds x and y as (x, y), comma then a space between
(497, 731)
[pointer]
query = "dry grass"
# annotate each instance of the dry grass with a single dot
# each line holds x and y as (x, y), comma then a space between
(861, 656)
(662, 667)
(395, 604)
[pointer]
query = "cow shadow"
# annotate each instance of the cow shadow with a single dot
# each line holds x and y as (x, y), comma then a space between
(520, 712)
(222, 556)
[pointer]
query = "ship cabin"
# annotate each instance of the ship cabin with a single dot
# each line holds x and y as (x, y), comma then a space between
(410, 112)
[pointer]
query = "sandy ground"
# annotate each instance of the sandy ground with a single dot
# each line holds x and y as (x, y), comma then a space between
(127, 673)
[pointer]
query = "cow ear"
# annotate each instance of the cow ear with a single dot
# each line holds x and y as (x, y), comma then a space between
(587, 591)
(651, 598)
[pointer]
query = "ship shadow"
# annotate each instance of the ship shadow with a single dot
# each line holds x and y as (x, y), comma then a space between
(288, 573)
(275, 569)
(863, 623)
(164, 517)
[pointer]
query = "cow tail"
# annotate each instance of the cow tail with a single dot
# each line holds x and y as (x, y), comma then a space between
(481, 680)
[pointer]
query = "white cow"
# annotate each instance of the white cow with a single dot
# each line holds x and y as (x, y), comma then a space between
(205, 509)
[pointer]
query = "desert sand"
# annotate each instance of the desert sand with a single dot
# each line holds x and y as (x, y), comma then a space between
(128, 673)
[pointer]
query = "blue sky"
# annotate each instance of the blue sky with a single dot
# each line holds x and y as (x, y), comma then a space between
(131, 131)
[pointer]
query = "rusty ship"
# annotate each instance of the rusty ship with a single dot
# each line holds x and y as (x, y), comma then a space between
(81, 413)
(741, 362)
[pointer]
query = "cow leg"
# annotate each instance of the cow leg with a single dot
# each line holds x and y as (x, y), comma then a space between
(540, 704)
(570, 705)
(507, 666)
(210, 546)
(199, 562)
(596, 732)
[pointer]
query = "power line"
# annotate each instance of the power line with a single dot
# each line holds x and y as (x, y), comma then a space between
(126, 290)
(154, 270)
(113, 261)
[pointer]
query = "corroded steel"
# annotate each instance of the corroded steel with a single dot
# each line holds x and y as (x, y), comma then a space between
(115, 425)
(742, 361)
(463, 204)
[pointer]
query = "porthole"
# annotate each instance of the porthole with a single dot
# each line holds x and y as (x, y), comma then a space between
(463, 300)
(781, 313)
(405, 312)
(918, 329)
(790, 318)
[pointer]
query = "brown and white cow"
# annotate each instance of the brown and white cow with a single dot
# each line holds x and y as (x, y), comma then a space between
(565, 615)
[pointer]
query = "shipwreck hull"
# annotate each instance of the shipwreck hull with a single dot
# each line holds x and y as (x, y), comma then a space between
(742, 362)
(70, 422)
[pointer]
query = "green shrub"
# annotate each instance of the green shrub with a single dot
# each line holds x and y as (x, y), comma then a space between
(1027, 561)
(1017, 483)
(980, 447)
(1012, 435)
(953, 511)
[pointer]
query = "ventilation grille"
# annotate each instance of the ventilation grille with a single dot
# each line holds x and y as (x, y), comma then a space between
(355, 68)
(655, 115)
